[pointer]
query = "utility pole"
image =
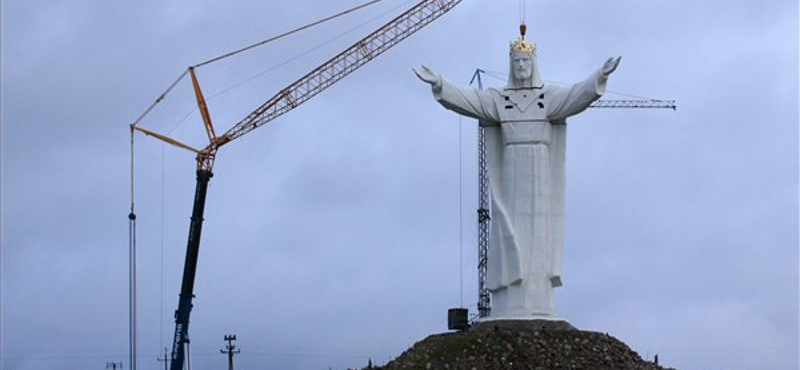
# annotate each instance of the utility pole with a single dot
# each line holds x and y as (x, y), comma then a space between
(165, 360)
(113, 365)
(229, 349)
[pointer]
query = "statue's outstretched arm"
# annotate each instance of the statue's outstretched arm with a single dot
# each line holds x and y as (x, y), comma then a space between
(466, 101)
(610, 66)
(578, 97)
(429, 76)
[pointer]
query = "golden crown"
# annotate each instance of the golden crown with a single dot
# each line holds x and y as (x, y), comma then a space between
(521, 44)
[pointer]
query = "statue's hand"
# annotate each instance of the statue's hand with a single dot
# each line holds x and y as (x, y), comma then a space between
(428, 75)
(610, 65)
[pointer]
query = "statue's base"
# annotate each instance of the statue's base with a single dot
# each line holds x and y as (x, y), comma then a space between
(546, 323)
(520, 344)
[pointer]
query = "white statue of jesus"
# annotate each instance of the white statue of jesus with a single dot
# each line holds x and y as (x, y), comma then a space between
(525, 126)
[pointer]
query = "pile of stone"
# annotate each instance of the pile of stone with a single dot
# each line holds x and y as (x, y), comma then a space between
(520, 345)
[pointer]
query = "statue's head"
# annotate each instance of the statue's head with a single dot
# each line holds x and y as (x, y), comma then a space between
(523, 69)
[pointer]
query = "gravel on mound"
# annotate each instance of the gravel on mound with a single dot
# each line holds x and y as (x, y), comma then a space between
(524, 345)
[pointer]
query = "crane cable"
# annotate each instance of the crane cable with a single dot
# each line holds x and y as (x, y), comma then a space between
(312, 24)
(212, 60)
(502, 76)
(460, 217)
(132, 271)
(281, 64)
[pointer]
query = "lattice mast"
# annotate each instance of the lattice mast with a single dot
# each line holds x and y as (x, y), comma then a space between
(484, 298)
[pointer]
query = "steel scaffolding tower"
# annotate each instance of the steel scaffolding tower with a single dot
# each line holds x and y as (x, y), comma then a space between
(484, 304)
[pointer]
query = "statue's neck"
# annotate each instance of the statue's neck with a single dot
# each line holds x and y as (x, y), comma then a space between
(525, 83)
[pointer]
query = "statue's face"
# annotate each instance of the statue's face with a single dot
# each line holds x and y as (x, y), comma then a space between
(522, 66)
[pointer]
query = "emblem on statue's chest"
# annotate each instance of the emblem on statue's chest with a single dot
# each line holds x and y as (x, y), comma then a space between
(529, 103)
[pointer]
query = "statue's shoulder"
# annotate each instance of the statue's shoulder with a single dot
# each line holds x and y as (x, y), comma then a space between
(551, 92)
(495, 91)
(551, 88)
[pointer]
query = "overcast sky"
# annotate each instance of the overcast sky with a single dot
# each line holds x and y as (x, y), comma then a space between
(344, 230)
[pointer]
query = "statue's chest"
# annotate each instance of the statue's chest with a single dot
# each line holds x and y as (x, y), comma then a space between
(522, 105)
(523, 116)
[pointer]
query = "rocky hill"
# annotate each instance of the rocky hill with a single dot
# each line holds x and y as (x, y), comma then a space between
(520, 345)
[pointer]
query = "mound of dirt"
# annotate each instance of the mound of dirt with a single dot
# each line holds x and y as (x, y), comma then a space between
(520, 345)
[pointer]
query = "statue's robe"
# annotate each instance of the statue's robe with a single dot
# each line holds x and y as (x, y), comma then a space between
(525, 143)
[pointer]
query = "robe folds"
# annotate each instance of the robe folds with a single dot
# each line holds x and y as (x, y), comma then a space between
(525, 132)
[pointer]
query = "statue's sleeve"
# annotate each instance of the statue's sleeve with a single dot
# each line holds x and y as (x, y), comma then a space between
(569, 101)
(470, 102)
